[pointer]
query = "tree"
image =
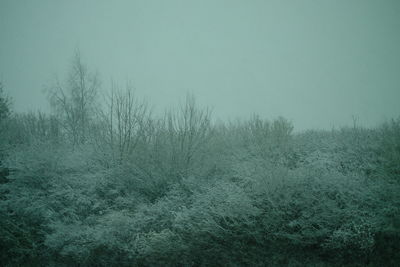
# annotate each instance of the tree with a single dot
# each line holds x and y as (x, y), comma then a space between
(75, 101)
(4, 114)
(188, 130)
(126, 122)
(4, 104)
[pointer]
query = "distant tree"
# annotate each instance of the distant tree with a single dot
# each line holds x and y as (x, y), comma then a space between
(4, 104)
(74, 102)
(36, 126)
(5, 113)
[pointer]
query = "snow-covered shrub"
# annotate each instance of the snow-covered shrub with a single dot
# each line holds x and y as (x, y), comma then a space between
(313, 209)
(192, 193)
(389, 148)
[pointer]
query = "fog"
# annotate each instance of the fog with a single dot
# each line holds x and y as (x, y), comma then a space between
(200, 133)
(317, 63)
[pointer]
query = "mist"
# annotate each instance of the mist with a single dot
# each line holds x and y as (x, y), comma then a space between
(199, 133)
(317, 63)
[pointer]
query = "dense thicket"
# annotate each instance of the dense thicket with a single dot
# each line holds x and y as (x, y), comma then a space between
(117, 186)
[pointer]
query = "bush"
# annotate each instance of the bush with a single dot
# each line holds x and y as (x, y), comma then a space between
(193, 193)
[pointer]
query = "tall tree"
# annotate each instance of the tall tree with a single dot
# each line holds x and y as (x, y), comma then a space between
(74, 101)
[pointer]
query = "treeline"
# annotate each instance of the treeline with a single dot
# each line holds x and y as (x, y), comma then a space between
(99, 183)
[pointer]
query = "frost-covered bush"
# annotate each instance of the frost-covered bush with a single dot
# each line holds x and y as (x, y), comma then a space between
(269, 140)
(313, 209)
(193, 193)
(389, 147)
(348, 150)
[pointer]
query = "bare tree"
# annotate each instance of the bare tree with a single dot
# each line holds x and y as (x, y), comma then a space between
(126, 120)
(75, 101)
(38, 127)
(189, 129)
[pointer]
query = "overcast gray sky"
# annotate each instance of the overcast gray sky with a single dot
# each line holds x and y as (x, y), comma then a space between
(316, 62)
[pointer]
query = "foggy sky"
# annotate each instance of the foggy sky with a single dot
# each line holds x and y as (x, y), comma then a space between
(317, 63)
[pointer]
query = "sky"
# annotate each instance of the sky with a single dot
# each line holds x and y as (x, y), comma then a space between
(318, 63)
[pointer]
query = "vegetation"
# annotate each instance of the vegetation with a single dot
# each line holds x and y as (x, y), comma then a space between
(117, 186)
